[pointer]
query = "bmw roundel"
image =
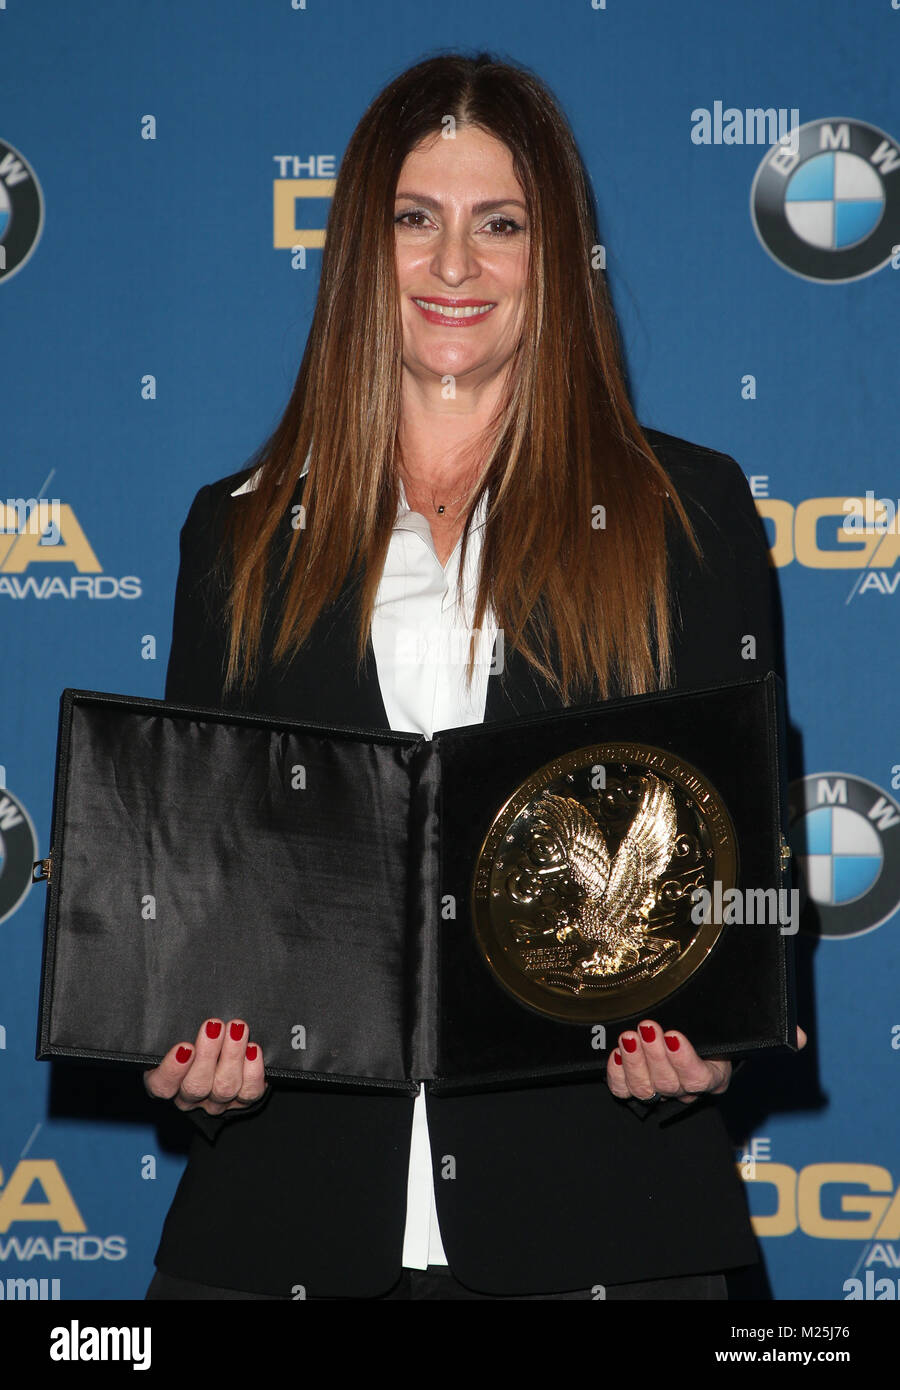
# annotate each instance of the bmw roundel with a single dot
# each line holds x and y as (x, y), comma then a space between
(18, 850)
(826, 205)
(21, 211)
(845, 835)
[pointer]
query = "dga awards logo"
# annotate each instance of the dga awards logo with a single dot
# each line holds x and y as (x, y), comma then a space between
(829, 209)
(18, 851)
(43, 535)
(35, 1194)
(845, 835)
(21, 211)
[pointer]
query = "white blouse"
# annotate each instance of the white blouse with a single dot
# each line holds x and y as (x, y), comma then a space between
(420, 638)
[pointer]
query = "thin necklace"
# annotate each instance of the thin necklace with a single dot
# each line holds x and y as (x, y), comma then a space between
(443, 507)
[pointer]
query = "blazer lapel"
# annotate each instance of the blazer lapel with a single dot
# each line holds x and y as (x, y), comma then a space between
(324, 684)
(517, 690)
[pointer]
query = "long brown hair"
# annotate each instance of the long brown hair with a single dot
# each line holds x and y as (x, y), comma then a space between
(586, 603)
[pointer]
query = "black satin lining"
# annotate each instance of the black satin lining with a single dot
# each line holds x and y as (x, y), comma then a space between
(425, 913)
(302, 889)
(737, 1002)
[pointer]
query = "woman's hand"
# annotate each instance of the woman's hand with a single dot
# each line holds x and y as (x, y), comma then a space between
(651, 1064)
(222, 1071)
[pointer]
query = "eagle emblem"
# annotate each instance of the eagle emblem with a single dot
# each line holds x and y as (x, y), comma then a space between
(619, 891)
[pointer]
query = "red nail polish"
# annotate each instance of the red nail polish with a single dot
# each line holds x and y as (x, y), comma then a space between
(183, 1054)
(648, 1033)
(213, 1029)
(237, 1031)
(251, 1052)
(672, 1043)
(617, 1057)
(629, 1044)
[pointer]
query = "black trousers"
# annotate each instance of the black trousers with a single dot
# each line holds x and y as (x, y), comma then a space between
(437, 1282)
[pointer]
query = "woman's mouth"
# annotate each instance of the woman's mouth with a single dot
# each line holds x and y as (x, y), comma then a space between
(455, 313)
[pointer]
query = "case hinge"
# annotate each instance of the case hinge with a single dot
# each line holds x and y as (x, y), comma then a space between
(41, 869)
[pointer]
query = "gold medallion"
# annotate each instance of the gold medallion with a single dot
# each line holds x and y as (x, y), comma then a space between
(582, 890)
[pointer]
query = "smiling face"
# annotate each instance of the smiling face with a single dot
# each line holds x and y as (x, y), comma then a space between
(461, 236)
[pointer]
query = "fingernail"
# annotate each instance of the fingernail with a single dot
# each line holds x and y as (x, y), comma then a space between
(251, 1052)
(617, 1057)
(629, 1044)
(648, 1032)
(213, 1028)
(183, 1054)
(237, 1031)
(672, 1043)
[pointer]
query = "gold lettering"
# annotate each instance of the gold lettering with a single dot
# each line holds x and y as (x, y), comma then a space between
(783, 1221)
(59, 1206)
(812, 1179)
(19, 551)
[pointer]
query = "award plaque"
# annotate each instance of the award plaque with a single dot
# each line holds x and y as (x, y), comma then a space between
(582, 895)
(485, 909)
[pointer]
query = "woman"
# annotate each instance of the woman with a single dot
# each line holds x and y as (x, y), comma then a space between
(459, 419)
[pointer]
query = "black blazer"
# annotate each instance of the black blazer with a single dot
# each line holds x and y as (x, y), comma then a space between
(555, 1188)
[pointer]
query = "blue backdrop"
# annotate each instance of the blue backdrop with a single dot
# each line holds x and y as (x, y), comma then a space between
(159, 261)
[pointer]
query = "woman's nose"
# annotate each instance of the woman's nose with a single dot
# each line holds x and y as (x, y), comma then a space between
(455, 259)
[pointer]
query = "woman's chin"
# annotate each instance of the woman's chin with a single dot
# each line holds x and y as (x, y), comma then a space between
(455, 362)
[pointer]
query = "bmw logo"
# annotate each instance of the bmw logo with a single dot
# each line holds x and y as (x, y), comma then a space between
(18, 850)
(827, 205)
(845, 835)
(21, 211)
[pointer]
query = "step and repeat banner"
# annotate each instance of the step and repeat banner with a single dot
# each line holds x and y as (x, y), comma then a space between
(165, 174)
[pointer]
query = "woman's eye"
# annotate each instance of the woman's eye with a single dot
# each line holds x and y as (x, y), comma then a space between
(412, 213)
(508, 225)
